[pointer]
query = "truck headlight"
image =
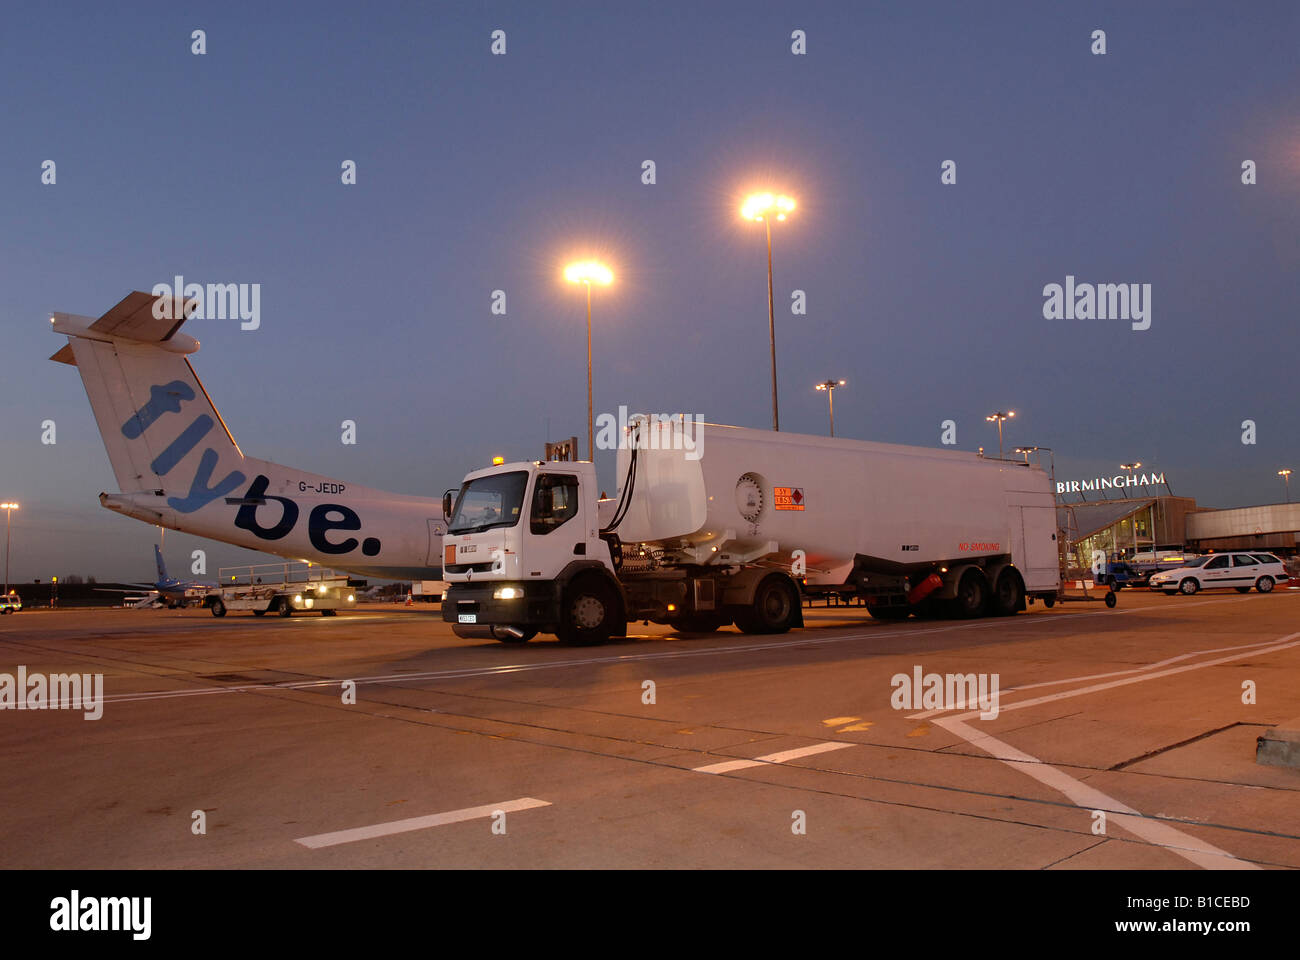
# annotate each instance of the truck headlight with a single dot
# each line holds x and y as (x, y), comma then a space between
(507, 593)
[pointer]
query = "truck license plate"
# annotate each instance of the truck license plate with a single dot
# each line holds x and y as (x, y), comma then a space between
(468, 618)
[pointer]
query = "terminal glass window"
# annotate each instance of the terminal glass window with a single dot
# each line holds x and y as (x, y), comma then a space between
(555, 502)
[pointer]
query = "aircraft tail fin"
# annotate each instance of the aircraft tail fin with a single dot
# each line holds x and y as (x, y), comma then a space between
(162, 567)
(162, 433)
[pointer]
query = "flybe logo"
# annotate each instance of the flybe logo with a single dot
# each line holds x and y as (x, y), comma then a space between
(323, 519)
(168, 398)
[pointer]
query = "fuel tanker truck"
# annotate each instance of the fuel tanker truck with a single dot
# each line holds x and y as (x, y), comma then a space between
(714, 525)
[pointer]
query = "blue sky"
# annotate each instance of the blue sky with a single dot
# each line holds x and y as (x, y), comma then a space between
(478, 172)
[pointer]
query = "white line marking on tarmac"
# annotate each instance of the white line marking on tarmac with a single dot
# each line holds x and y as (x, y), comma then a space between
(1282, 643)
(1156, 832)
(728, 765)
(418, 823)
(1145, 666)
(469, 672)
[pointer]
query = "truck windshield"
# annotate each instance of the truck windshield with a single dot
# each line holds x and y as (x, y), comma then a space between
(491, 501)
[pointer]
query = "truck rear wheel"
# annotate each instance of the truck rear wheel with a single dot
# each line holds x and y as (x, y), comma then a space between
(589, 613)
(1009, 594)
(972, 595)
(775, 608)
(283, 607)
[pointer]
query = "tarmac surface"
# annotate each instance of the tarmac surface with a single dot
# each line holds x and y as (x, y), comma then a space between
(1123, 738)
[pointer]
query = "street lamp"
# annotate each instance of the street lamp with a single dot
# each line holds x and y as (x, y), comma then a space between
(1027, 450)
(998, 417)
(765, 206)
(588, 272)
(9, 509)
(829, 386)
(1285, 474)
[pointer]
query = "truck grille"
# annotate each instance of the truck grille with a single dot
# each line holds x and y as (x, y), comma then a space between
(483, 567)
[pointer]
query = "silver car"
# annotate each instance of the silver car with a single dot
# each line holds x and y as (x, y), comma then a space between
(1236, 569)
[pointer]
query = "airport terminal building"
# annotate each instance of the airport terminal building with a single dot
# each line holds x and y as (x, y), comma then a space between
(1140, 515)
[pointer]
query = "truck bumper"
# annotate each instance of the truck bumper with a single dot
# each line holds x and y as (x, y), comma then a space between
(475, 604)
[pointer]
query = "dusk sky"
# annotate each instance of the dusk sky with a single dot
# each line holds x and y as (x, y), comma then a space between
(478, 172)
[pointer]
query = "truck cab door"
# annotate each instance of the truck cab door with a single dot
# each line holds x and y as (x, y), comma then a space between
(562, 526)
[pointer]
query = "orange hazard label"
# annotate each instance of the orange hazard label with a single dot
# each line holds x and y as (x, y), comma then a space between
(788, 498)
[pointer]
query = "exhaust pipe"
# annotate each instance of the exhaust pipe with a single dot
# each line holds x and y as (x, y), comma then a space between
(485, 632)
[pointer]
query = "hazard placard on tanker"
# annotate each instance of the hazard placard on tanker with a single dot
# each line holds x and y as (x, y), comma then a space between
(788, 498)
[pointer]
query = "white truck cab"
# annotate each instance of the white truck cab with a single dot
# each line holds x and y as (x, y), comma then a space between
(520, 538)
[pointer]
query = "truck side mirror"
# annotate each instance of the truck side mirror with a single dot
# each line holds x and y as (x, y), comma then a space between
(446, 505)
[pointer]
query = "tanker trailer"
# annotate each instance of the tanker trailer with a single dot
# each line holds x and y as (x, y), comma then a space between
(716, 524)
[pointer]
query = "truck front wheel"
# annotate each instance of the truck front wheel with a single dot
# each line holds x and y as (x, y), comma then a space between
(218, 608)
(775, 608)
(589, 613)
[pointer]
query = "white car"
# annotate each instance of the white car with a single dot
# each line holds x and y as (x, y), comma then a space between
(1235, 569)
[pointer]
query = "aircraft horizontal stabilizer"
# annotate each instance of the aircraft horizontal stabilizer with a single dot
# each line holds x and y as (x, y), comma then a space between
(140, 317)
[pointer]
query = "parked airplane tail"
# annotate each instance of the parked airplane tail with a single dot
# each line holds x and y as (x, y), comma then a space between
(178, 466)
(162, 567)
(151, 409)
